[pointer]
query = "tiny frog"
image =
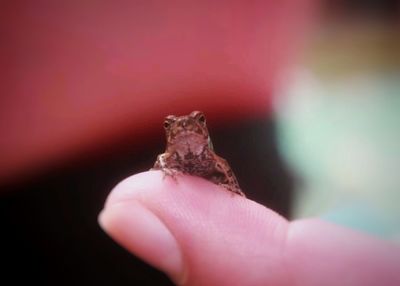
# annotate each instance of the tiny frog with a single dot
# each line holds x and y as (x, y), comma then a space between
(190, 151)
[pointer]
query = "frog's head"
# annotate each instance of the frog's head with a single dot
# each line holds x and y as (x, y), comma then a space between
(188, 130)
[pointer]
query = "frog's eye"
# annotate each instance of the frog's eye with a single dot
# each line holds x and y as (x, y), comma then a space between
(168, 121)
(167, 124)
(199, 116)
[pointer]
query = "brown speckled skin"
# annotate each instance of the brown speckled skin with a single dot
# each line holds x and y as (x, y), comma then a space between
(189, 151)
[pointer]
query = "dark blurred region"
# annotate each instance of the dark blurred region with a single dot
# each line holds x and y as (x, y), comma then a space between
(384, 10)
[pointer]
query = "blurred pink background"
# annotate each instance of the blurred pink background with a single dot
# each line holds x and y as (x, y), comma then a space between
(80, 76)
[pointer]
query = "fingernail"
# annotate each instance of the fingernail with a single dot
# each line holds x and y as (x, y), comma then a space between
(141, 232)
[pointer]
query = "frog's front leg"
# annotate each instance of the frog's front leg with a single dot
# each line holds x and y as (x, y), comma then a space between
(225, 177)
(162, 164)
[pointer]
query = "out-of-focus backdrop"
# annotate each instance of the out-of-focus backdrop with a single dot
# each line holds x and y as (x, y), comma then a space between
(339, 118)
(301, 97)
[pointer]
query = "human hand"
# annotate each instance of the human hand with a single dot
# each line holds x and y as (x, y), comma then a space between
(200, 234)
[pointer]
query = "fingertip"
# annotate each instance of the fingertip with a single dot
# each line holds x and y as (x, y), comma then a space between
(134, 186)
(214, 229)
(144, 234)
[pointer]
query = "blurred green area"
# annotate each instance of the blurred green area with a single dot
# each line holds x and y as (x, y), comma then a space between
(339, 125)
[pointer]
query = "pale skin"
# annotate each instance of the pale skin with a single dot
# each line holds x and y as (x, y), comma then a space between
(200, 235)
